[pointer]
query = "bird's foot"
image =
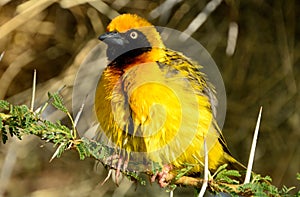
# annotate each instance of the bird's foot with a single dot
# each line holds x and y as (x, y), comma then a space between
(117, 163)
(162, 175)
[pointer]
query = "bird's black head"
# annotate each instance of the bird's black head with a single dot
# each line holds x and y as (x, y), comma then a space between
(125, 46)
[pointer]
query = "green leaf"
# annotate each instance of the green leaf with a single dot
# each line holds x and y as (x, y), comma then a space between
(286, 190)
(4, 105)
(183, 171)
(82, 151)
(171, 187)
(135, 176)
(58, 102)
(225, 175)
(222, 167)
(1, 124)
(4, 135)
(156, 167)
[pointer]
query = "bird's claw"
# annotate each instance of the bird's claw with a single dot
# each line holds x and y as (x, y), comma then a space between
(117, 163)
(161, 176)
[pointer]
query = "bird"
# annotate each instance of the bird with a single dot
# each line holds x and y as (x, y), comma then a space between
(157, 102)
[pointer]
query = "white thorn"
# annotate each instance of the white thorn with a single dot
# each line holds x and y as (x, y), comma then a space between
(206, 172)
(33, 90)
(108, 176)
(79, 114)
(253, 147)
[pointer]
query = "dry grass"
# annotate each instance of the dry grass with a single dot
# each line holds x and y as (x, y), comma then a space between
(53, 36)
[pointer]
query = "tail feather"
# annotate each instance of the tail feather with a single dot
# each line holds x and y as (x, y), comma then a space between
(235, 165)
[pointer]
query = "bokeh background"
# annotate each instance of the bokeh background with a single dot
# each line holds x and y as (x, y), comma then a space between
(255, 44)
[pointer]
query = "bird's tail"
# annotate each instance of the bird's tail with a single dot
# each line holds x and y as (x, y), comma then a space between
(233, 164)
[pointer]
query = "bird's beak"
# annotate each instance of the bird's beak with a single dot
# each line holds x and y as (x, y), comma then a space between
(112, 38)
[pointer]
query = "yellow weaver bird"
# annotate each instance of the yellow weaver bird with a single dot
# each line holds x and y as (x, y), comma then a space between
(157, 102)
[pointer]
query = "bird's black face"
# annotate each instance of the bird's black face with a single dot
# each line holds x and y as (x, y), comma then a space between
(124, 46)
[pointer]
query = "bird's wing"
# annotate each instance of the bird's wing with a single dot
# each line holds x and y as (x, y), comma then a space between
(192, 71)
(201, 84)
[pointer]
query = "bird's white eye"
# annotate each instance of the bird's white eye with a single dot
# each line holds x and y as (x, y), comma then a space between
(134, 35)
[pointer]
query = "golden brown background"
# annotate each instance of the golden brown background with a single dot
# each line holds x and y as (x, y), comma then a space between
(53, 36)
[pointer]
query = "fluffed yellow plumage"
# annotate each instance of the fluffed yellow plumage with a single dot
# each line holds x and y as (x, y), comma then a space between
(153, 100)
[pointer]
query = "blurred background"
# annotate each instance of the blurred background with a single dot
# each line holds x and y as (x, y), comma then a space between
(255, 44)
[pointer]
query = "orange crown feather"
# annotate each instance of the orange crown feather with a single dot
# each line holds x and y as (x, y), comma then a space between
(126, 22)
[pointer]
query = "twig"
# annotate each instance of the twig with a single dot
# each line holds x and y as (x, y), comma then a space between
(253, 147)
(62, 137)
(198, 183)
